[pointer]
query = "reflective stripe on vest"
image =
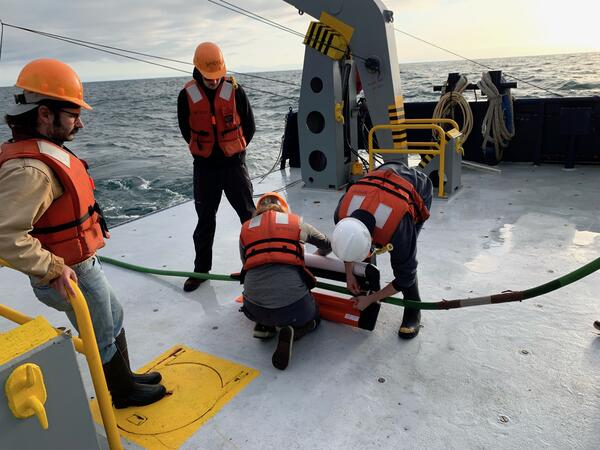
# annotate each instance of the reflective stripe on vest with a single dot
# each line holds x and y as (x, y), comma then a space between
(194, 93)
(72, 227)
(226, 90)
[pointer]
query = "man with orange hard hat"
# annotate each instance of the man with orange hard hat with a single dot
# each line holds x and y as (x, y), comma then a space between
(216, 120)
(51, 224)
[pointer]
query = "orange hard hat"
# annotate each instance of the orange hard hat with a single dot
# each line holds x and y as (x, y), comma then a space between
(52, 79)
(273, 197)
(209, 61)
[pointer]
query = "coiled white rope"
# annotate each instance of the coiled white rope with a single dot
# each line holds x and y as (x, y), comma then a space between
(493, 127)
(450, 100)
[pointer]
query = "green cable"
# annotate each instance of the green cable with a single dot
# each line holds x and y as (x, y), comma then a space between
(560, 282)
(173, 273)
(542, 289)
(210, 276)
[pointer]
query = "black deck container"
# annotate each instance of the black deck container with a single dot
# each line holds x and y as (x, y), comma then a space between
(563, 130)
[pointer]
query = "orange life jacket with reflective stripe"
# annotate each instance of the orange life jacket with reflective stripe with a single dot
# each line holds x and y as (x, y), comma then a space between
(224, 120)
(388, 197)
(272, 238)
(72, 227)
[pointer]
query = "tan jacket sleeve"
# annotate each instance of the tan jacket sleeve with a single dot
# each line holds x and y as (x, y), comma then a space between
(27, 188)
(310, 234)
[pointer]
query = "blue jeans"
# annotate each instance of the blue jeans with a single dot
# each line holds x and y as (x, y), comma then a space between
(105, 310)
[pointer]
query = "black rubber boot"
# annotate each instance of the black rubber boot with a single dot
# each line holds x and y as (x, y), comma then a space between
(191, 284)
(309, 327)
(144, 378)
(126, 392)
(411, 320)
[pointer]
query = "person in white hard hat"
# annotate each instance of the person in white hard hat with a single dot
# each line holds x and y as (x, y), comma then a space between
(386, 208)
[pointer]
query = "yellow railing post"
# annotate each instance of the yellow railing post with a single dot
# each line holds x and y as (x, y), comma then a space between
(432, 148)
(441, 173)
(90, 350)
(92, 355)
(370, 147)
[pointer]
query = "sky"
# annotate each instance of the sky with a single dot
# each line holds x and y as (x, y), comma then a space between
(472, 28)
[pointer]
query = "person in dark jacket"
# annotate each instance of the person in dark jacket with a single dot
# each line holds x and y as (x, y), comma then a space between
(385, 209)
(216, 120)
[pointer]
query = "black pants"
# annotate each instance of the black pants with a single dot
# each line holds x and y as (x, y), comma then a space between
(297, 314)
(209, 184)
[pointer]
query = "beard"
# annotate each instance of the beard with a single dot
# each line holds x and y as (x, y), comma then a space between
(71, 135)
(61, 133)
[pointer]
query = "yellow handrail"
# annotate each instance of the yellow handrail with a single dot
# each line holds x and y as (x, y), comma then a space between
(86, 330)
(451, 122)
(90, 350)
(437, 146)
(434, 120)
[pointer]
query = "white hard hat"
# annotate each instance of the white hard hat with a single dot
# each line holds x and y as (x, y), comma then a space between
(351, 240)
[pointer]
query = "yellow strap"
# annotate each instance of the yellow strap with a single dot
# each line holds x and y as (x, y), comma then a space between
(386, 248)
(339, 114)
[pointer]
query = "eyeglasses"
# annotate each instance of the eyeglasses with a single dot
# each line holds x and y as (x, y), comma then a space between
(75, 116)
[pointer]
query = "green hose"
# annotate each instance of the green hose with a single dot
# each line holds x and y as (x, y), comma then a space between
(508, 296)
(173, 273)
(569, 278)
(210, 276)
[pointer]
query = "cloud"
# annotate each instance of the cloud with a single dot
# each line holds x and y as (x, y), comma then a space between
(173, 29)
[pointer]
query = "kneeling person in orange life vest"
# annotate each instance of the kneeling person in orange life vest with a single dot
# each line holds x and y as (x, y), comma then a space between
(51, 224)
(276, 282)
(387, 206)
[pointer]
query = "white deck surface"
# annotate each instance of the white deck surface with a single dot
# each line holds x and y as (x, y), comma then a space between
(511, 376)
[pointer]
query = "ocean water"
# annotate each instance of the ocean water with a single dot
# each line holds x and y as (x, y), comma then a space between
(141, 164)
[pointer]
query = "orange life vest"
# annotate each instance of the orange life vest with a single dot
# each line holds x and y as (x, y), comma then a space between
(388, 197)
(272, 238)
(72, 227)
(224, 120)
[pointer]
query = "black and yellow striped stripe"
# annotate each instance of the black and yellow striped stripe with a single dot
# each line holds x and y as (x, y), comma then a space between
(396, 117)
(425, 159)
(325, 40)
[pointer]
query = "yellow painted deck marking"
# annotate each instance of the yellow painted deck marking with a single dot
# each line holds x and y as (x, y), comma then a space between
(200, 385)
(24, 338)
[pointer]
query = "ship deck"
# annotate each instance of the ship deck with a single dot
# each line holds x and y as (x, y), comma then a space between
(510, 376)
